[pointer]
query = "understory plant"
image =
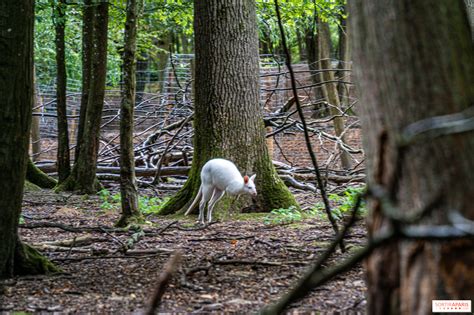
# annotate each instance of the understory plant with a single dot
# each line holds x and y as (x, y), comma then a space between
(288, 215)
(147, 205)
(343, 203)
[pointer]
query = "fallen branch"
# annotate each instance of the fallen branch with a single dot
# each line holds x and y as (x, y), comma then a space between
(76, 241)
(140, 171)
(168, 271)
(220, 238)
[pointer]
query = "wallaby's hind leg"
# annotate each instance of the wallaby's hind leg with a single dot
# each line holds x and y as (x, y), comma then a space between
(206, 195)
(218, 194)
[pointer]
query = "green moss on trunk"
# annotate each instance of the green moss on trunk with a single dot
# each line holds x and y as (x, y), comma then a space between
(38, 177)
(30, 186)
(127, 219)
(276, 195)
(72, 184)
(28, 261)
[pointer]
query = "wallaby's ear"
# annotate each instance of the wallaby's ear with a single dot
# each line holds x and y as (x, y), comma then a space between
(246, 179)
(252, 178)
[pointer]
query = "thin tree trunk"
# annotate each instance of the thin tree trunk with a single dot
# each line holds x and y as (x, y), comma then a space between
(414, 76)
(87, 35)
(344, 52)
(35, 124)
(330, 89)
(141, 74)
(266, 43)
(16, 88)
(312, 54)
(83, 176)
(64, 164)
(128, 186)
(228, 118)
(184, 43)
(300, 43)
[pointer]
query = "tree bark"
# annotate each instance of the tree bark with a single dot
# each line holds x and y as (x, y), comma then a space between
(35, 125)
(344, 51)
(142, 65)
(312, 54)
(330, 89)
(87, 35)
(16, 88)
(470, 15)
(415, 60)
(228, 117)
(38, 177)
(128, 185)
(83, 177)
(64, 164)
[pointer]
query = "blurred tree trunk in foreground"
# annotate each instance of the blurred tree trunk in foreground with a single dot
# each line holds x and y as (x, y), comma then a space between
(415, 60)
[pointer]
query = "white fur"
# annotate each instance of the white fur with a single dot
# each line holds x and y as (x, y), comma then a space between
(219, 176)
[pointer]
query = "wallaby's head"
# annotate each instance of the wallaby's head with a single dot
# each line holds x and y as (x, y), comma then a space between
(249, 185)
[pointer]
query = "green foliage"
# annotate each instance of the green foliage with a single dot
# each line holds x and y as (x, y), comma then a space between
(288, 215)
(106, 197)
(162, 26)
(151, 205)
(298, 17)
(342, 203)
(44, 41)
(147, 205)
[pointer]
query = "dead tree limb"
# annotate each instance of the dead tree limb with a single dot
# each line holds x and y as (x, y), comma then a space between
(168, 271)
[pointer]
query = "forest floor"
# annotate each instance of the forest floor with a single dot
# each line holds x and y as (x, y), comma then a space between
(235, 266)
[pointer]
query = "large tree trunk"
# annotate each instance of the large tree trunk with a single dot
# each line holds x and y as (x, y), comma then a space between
(16, 89)
(128, 186)
(330, 88)
(228, 117)
(64, 164)
(415, 60)
(83, 176)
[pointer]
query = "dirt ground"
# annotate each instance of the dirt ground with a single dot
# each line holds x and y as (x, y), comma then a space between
(235, 266)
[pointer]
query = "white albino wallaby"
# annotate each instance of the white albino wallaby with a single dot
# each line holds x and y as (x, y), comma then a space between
(219, 176)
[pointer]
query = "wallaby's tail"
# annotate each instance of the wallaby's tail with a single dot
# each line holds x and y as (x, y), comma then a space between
(195, 201)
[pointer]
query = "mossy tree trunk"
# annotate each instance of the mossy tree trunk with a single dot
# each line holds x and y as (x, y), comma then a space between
(83, 175)
(228, 117)
(423, 67)
(59, 18)
(38, 177)
(128, 186)
(16, 89)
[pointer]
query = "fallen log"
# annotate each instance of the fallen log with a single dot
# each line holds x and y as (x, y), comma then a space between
(139, 171)
(286, 172)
